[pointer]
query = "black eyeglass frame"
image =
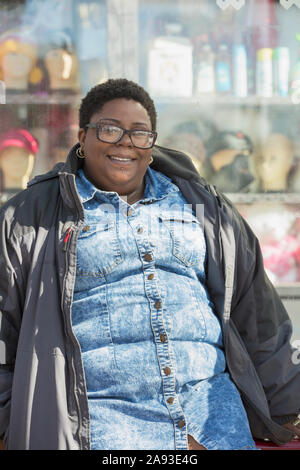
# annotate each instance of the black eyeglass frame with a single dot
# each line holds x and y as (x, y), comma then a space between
(96, 125)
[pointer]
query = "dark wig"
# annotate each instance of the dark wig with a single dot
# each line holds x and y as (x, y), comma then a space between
(114, 89)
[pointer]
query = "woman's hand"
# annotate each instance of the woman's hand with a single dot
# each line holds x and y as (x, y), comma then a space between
(194, 445)
(294, 428)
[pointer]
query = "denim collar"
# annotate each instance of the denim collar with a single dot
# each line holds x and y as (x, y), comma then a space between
(157, 186)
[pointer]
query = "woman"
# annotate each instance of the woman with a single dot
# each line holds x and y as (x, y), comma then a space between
(124, 325)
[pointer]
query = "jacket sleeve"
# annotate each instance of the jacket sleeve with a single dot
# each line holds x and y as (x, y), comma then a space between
(11, 286)
(265, 327)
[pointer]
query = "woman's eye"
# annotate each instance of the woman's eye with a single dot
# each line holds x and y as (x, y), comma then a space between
(110, 129)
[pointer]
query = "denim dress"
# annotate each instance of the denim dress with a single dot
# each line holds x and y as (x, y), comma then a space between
(151, 343)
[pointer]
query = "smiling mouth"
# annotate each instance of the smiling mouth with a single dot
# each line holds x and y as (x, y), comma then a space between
(114, 158)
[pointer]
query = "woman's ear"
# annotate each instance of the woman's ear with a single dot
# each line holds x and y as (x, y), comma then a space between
(81, 136)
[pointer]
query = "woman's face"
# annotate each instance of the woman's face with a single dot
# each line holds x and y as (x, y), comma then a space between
(117, 167)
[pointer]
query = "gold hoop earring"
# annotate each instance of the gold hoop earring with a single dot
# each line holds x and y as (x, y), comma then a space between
(151, 160)
(80, 153)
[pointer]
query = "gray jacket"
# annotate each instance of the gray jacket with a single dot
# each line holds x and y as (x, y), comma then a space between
(43, 401)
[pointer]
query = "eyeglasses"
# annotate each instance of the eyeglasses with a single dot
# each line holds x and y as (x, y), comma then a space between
(112, 134)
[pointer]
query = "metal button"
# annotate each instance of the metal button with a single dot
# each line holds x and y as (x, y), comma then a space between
(140, 230)
(150, 277)
(147, 257)
(162, 338)
(181, 424)
(167, 370)
(170, 400)
(157, 304)
(129, 212)
(86, 228)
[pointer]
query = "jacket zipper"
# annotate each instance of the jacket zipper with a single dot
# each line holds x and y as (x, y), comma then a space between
(66, 240)
(66, 245)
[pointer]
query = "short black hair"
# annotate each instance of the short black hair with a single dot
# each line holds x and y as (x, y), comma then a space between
(115, 88)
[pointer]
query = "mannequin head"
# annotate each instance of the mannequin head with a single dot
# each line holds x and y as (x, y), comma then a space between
(18, 57)
(17, 154)
(61, 63)
(227, 164)
(188, 143)
(190, 137)
(274, 162)
(16, 164)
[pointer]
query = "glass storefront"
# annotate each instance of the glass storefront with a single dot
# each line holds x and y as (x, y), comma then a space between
(224, 75)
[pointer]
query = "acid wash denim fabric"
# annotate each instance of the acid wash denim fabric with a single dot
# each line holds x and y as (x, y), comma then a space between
(151, 344)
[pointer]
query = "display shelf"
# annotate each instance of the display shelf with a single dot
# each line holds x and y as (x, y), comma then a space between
(227, 100)
(289, 291)
(250, 198)
(43, 98)
(205, 99)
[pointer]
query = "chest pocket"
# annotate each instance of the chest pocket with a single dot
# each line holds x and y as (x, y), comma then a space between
(98, 250)
(188, 243)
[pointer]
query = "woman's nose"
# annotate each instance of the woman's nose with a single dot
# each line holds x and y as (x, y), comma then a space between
(126, 140)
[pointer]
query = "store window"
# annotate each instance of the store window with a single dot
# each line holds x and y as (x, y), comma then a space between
(225, 77)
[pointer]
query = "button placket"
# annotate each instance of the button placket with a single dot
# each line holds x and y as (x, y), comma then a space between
(168, 374)
(163, 338)
(148, 257)
(129, 212)
(159, 333)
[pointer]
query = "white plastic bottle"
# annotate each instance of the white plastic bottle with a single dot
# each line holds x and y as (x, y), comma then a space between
(264, 72)
(240, 73)
(205, 70)
(281, 71)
